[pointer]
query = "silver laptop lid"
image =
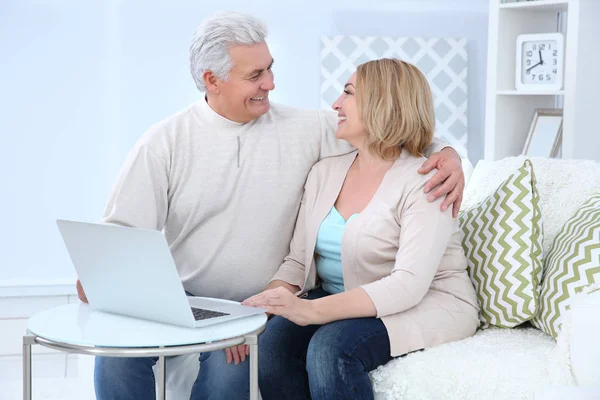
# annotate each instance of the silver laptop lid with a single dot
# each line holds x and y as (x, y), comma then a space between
(127, 271)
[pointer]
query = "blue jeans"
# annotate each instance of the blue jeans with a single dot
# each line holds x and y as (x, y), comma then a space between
(330, 361)
(133, 378)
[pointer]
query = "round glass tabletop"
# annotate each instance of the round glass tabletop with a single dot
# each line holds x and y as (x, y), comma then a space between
(80, 325)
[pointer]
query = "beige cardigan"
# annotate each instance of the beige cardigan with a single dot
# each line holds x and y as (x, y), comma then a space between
(401, 249)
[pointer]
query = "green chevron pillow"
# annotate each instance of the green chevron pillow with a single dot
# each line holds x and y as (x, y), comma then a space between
(573, 262)
(503, 244)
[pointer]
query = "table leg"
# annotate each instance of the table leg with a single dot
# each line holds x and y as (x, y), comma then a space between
(28, 340)
(162, 377)
(252, 341)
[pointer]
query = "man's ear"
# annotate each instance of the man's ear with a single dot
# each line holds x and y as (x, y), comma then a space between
(211, 81)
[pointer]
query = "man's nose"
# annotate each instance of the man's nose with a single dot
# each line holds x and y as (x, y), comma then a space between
(268, 83)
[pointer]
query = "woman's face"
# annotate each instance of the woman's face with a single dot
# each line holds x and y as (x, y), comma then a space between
(350, 126)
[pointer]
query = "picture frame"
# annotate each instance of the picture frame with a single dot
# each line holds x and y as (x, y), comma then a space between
(544, 138)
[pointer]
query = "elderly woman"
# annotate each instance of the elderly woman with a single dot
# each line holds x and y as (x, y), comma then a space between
(379, 269)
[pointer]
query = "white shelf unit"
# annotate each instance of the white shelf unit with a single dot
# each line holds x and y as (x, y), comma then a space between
(509, 112)
(547, 5)
(529, 93)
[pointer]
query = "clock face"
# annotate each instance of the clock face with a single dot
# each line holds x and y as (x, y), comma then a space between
(540, 62)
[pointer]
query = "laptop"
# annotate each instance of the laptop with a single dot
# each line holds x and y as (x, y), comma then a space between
(131, 271)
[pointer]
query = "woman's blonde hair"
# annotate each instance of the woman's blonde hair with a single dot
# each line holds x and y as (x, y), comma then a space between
(396, 107)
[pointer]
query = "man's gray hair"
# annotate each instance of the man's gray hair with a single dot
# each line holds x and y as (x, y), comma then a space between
(210, 46)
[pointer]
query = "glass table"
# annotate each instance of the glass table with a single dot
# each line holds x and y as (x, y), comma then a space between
(77, 328)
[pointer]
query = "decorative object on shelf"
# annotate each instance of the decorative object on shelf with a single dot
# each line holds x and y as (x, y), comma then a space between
(442, 60)
(545, 134)
(540, 62)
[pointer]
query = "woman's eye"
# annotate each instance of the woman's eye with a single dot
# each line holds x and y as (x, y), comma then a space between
(346, 91)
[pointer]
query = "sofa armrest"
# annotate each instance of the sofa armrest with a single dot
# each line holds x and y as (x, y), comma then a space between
(585, 348)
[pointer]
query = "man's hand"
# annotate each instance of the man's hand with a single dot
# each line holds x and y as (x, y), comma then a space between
(237, 354)
(450, 179)
(81, 293)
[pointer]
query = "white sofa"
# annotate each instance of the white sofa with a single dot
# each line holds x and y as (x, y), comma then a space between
(512, 363)
(495, 363)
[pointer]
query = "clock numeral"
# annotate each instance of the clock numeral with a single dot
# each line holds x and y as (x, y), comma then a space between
(529, 53)
(542, 46)
(534, 47)
(548, 77)
(541, 77)
(555, 53)
(554, 71)
(527, 72)
(554, 62)
(528, 62)
(549, 46)
(533, 77)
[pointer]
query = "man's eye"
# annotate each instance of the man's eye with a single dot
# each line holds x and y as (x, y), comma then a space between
(254, 78)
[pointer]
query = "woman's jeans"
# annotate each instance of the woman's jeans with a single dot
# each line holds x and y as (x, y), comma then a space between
(330, 361)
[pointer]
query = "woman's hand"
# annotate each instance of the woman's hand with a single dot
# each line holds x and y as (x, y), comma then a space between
(281, 301)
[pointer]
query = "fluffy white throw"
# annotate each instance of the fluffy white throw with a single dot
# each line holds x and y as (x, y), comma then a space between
(495, 364)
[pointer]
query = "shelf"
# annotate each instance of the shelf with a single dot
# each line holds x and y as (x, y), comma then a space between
(509, 111)
(536, 5)
(529, 93)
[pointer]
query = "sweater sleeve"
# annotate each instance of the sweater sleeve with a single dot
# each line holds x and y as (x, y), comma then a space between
(140, 196)
(425, 234)
(436, 145)
(293, 268)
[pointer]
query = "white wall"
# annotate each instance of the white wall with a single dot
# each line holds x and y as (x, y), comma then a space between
(81, 81)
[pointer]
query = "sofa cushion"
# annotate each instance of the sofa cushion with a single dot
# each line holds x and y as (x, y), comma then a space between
(495, 364)
(563, 186)
(503, 244)
(573, 262)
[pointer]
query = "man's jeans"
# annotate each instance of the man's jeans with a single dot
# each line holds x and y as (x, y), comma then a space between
(133, 378)
(329, 361)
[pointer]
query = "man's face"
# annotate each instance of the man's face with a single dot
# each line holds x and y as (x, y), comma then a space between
(245, 95)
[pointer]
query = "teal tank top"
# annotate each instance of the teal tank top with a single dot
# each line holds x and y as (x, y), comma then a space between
(329, 251)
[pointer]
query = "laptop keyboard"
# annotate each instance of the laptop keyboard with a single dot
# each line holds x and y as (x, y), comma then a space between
(200, 313)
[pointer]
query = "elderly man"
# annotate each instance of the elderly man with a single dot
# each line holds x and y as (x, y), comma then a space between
(223, 178)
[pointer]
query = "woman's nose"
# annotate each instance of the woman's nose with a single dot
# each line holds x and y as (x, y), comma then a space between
(337, 104)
